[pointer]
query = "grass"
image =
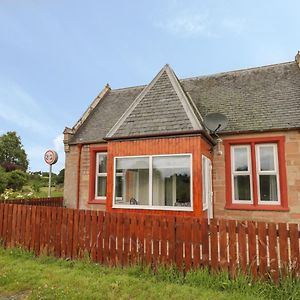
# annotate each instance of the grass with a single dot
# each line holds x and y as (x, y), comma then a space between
(24, 276)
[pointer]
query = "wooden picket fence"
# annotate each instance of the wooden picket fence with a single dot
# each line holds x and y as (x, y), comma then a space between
(256, 248)
(53, 201)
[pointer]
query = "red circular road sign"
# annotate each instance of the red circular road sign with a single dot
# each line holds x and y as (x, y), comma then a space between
(50, 157)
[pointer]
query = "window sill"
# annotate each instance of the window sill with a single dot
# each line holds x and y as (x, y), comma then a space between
(256, 207)
(94, 201)
(168, 208)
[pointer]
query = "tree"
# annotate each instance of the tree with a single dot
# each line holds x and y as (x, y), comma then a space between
(12, 153)
(60, 177)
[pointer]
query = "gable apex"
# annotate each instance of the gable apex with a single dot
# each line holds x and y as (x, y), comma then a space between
(161, 107)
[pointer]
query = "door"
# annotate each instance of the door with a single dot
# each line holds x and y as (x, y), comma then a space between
(207, 193)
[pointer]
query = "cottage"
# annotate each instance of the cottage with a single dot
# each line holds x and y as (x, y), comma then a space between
(146, 148)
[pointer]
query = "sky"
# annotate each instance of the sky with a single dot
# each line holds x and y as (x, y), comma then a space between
(56, 56)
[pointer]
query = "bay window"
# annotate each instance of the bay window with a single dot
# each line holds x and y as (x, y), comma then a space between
(157, 182)
(255, 173)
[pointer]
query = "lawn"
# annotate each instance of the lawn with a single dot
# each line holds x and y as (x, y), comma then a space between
(23, 276)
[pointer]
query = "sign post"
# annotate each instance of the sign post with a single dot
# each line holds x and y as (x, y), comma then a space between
(50, 158)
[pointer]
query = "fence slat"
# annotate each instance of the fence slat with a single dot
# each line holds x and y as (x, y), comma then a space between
(13, 226)
(188, 244)
(196, 238)
(262, 246)
(242, 246)
(113, 228)
(94, 232)
(205, 242)
(252, 247)
(155, 238)
(283, 249)
(214, 244)
(223, 245)
(70, 214)
(179, 243)
(294, 244)
(120, 239)
(37, 231)
(58, 230)
(273, 251)
(64, 232)
(100, 237)
(32, 228)
(148, 239)
(81, 233)
(232, 248)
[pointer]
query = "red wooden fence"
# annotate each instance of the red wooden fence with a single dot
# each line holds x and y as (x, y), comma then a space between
(53, 201)
(261, 249)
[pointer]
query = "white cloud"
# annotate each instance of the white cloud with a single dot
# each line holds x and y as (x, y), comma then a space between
(59, 143)
(190, 24)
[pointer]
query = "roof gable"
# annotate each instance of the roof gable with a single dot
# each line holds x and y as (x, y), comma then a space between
(160, 108)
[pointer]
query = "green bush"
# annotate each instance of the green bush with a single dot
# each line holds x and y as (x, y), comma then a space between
(16, 179)
(3, 180)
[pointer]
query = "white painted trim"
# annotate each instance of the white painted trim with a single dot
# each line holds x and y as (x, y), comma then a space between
(151, 206)
(245, 173)
(274, 172)
(183, 99)
(97, 174)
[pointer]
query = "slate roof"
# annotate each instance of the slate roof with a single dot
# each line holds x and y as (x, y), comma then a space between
(162, 107)
(254, 99)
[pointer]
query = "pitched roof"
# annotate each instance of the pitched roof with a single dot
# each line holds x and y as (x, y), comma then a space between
(161, 107)
(254, 99)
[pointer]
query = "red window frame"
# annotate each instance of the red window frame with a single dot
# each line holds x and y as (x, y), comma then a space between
(280, 141)
(92, 183)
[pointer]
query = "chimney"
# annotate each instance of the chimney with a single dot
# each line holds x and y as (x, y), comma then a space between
(297, 59)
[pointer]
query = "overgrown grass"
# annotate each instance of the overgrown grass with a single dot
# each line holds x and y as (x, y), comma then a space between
(23, 274)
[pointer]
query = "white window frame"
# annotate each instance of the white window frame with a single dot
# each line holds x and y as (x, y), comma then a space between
(273, 172)
(241, 173)
(150, 206)
(205, 174)
(100, 174)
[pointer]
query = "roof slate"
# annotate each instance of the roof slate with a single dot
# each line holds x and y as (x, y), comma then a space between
(162, 107)
(253, 99)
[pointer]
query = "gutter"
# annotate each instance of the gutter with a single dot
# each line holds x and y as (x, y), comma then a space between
(79, 147)
(166, 134)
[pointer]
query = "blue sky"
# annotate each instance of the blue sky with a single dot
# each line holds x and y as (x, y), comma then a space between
(56, 56)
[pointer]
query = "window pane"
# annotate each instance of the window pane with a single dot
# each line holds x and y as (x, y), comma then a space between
(132, 187)
(240, 159)
(171, 181)
(102, 160)
(101, 186)
(266, 156)
(242, 189)
(268, 188)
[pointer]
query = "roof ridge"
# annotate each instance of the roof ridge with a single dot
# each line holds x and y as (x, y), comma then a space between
(236, 71)
(210, 75)
(129, 87)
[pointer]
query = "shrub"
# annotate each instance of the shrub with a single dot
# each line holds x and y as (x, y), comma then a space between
(16, 179)
(3, 180)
